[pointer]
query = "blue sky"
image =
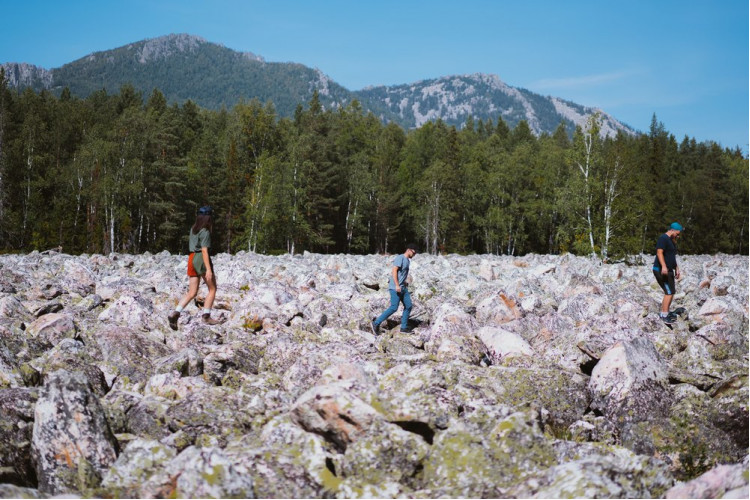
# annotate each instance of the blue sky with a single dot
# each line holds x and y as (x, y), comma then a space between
(685, 60)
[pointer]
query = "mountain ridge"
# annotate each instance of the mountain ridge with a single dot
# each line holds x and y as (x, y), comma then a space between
(184, 66)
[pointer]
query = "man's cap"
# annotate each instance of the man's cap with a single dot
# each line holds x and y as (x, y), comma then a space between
(412, 246)
(676, 226)
(207, 210)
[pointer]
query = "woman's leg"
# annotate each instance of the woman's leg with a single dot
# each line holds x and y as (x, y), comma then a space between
(193, 283)
(208, 304)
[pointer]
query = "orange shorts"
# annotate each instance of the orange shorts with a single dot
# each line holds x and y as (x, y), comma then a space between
(191, 268)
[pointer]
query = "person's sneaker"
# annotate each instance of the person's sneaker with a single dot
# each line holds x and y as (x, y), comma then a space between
(673, 316)
(375, 328)
(207, 319)
(173, 320)
(667, 319)
(406, 330)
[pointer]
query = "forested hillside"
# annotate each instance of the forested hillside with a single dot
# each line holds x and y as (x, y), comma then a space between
(187, 67)
(125, 173)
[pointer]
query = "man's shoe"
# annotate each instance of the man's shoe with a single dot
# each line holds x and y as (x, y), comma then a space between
(406, 330)
(375, 328)
(667, 319)
(173, 320)
(207, 319)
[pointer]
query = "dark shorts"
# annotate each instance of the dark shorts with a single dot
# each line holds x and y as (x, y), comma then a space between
(195, 266)
(666, 282)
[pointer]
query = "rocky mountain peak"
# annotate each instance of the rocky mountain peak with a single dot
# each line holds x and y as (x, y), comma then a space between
(163, 47)
(26, 75)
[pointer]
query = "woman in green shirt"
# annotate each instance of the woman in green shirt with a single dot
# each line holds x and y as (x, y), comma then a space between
(199, 266)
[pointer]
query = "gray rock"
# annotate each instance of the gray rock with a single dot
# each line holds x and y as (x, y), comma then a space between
(724, 481)
(72, 445)
(334, 412)
(140, 460)
(524, 376)
(16, 424)
(630, 383)
(199, 472)
(618, 474)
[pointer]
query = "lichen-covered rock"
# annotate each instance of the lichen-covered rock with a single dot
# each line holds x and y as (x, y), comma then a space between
(132, 311)
(141, 459)
(52, 328)
(501, 343)
(71, 355)
(605, 475)
(386, 453)
(213, 411)
(244, 357)
(334, 412)
(285, 461)
(700, 432)
(13, 491)
(16, 424)
(498, 391)
(630, 382)
(498, 308)
(128, 353)
(723, 481)
(451, 336)
(77, 278)
(199, 472)
(187, 362)
(72, 445)
(464, 463)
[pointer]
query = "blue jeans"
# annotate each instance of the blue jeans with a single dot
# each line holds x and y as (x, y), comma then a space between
(395, 299)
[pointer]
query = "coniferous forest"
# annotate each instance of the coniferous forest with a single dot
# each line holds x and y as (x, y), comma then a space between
(126, 173)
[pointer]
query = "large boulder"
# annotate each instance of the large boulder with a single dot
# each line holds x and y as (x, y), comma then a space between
(52, 328)
(141, 459)
(609, 473)
(334, 412)
(198, 472)
(723, 481)
(630, 383)
(451, 336)
(72, 445)
(16, 425)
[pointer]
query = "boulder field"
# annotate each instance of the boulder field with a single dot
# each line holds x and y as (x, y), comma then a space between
(535, 376)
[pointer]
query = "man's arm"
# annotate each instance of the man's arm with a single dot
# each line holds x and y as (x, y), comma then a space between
(394, 272)
(660, 256)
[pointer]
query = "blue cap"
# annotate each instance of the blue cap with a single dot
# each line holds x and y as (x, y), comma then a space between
(207, 210)
(676, 226)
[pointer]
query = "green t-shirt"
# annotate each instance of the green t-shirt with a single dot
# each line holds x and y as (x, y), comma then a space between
(200, 240)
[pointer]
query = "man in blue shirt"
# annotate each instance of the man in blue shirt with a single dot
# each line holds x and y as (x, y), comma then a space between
(399, 290)
(666, 269)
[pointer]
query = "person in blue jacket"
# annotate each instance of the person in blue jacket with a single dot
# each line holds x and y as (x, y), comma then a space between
(665, 268)
(398, 287)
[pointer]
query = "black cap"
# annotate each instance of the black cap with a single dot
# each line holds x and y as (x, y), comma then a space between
(412, 246)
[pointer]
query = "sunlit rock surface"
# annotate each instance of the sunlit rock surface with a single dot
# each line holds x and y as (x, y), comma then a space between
(536, 376)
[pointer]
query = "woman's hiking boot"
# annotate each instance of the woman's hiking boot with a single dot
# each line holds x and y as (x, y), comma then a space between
(207, 319)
